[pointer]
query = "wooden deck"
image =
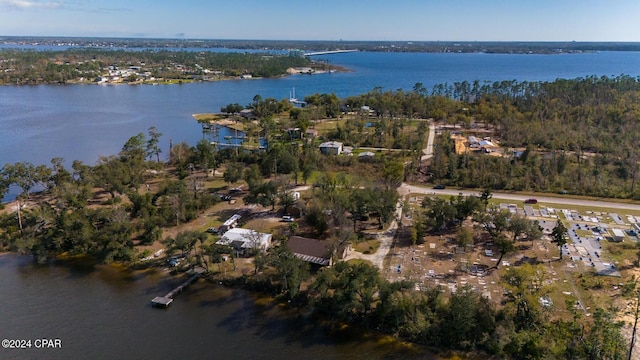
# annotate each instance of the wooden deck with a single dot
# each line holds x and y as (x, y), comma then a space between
(165, 301)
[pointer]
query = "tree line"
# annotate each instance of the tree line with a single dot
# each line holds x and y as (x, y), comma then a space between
(100, 211)
(357, 294)
(572, 135)
(46, 67)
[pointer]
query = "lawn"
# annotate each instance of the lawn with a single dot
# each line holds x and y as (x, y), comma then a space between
(359, 261)
(367, 246)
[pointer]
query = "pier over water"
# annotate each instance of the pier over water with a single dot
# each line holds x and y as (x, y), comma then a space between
(164, 301)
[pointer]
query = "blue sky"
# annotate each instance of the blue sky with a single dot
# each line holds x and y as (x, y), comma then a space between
(410, 20)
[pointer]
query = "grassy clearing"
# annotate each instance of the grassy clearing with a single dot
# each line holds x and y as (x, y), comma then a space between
(367, 247)
(208, 117)
(624, 253)
(359, 261)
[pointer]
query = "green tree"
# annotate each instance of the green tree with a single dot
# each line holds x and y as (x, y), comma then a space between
(603, 339)
(470, 320)
(185, 241)
(153, 143)
(264, 194)
(485, 196)
(559, 235)
(464, 237)
(518, 225)
(347, 292)
(439, 213)
(291, 270)
(504, 245)
(233, 172)
(205, 155)
(393, 174)
(286, 199)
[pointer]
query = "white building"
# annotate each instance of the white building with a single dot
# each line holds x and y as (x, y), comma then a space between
(618, 235)
(331, 148)
(245, 240)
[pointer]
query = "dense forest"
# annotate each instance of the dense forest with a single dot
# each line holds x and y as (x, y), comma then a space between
(29, 67)
(575, 136)
(464, 321)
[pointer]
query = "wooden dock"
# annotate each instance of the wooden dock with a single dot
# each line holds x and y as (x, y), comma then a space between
(165, 301)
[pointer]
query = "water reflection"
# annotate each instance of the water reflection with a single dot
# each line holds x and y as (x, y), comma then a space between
(104, 311)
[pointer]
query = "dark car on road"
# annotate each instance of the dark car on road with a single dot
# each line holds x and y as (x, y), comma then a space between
(439, 187)
(531, 201)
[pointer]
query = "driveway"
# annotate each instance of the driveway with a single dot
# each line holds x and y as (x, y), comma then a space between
(386, 242)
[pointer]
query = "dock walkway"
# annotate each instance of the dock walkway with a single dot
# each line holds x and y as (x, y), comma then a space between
(164, 301)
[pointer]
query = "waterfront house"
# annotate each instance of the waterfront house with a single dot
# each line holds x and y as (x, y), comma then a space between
(314, 251)
(245, 241)
(331, 148)
(248, 114)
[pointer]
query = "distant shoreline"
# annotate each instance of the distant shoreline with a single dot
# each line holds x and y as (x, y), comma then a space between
(505, 47)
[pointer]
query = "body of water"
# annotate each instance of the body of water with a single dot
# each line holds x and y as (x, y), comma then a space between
(106, 313)
(84, 122)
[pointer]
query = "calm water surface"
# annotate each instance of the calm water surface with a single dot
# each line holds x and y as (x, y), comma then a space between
(83, 122)
(105, 313)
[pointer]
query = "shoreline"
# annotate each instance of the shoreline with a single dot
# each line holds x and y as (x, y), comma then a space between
(289, 72)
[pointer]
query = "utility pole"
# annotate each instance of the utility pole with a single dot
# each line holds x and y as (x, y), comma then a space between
(635, 325)
(19, 216)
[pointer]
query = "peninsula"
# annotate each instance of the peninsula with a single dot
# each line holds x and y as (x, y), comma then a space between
(100, 65)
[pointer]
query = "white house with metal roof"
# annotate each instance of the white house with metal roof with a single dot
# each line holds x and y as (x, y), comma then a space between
(245, 240)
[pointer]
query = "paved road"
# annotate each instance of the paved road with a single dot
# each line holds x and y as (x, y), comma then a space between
(427, 153)
(515, 197)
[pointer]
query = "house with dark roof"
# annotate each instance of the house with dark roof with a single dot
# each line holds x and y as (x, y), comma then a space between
(314, 251)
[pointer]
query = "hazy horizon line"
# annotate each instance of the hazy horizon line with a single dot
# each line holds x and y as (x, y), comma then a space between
(307, 40)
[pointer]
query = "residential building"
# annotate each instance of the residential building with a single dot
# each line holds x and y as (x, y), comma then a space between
(245, 241)
(331, 148)
(314, 251)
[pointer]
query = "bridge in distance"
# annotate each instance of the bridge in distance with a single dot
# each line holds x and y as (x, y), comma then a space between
(329, 52)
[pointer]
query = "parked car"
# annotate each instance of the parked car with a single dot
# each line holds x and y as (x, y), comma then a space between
(287, 218)
(212, 230)
(439, 187)
(223, 197)
(531, 201)
(173, 262)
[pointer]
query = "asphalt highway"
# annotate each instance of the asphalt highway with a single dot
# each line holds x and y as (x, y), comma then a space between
(516, 197)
